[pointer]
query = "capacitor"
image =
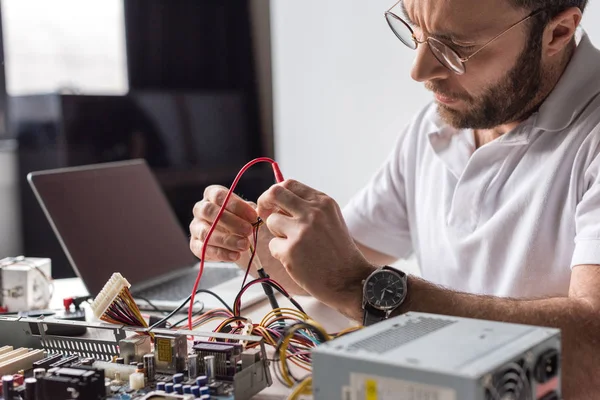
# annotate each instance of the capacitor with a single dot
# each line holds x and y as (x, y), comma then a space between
(178, 388)
(169, 387)
(204, 390)
(8, 387)
(192, 365)
(39, 372)
(196, 390)
(209, 367)
(149, 367)
(201, 380)
(120, 360)
(187, 389)
(30, 384)
(160, 386)
(178, 378)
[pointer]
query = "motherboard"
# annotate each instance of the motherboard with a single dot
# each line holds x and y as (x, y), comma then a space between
(123, 362)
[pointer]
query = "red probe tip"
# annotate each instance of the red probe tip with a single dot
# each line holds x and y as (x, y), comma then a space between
(277, 171)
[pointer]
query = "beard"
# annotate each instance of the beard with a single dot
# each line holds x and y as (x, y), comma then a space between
(513, 99)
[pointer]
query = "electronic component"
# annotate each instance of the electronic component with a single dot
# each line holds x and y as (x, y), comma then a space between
(192, 364)
(224, 356)
(25, 283)
(112, 369)
(39, 372)
(8, 387)
(56, 384)
(63, 362)
(170, 396)
(72, 383)
(170, 353)
(19, 359)
(210, 368)
(431, 356)
(46, 362)
(115, 304)
(178, 388)
(149, 367)
(133, 349)
(136, 380)
(30, 388)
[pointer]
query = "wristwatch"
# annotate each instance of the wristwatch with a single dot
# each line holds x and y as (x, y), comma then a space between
(383, 292)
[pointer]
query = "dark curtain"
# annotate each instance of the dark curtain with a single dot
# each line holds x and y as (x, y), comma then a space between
(189, 44)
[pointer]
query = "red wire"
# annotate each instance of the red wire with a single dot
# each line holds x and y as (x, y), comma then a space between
(278, 178)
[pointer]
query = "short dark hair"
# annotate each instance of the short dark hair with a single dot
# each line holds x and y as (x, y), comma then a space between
(550, 9)
(554, 6)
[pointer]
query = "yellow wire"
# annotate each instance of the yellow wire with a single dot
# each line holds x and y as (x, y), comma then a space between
(286, 342)
(303, 388)
(278, 312)
(348, 330)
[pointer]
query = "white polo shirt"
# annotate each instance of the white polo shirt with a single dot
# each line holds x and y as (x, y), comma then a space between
(507, 219)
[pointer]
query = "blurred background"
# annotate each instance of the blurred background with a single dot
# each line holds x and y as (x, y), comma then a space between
(198, 88)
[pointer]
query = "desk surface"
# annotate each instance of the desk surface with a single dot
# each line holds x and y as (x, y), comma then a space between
(329, 318)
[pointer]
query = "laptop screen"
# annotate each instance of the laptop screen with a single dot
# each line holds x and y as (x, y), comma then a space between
(113, 218)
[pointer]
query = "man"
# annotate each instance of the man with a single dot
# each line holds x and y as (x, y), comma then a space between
(495, 186)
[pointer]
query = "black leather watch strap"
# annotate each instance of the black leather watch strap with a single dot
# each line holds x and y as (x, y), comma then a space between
(372, 315)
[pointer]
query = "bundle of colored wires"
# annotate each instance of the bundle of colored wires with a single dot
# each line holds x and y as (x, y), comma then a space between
(278, 178)
(115, 304)
(217, 313)
(238, 299)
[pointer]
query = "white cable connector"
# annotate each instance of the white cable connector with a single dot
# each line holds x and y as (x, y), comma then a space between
(109, 293)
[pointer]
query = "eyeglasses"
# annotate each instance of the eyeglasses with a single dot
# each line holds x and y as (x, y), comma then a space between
(445, 54)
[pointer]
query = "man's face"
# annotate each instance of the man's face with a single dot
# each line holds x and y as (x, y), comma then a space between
(501, 83)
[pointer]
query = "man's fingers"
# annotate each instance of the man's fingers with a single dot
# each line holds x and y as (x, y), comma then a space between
(277, 197)
(281, 225)
(220, 238)
(301, 190)
(213, 253)
(235, 205)
(207, 211)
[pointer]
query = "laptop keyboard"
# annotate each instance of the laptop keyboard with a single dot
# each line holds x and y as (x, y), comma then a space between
(181, 287)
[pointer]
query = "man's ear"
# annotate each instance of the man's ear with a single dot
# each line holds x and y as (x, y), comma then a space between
(560, 31)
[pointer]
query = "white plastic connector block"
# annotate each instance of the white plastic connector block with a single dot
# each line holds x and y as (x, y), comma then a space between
(136, 381)
(109, 293)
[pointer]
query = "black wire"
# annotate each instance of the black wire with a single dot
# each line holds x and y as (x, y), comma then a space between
(195, 313)
(149, 303)
(175, 311)
(276, 287)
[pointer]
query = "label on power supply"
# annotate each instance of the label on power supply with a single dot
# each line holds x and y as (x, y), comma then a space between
(368, 387)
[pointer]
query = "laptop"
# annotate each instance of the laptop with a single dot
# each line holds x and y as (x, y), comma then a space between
(114, 217)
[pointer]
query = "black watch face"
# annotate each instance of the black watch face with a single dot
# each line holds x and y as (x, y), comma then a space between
(384, 290)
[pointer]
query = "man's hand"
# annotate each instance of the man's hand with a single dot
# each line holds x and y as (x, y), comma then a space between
(231, 236)
(230, 241)
(313, 244)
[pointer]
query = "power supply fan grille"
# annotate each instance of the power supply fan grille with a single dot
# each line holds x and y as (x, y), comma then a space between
(399, 335)
(512, 383)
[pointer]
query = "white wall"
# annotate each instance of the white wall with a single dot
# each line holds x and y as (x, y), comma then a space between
(342, 89)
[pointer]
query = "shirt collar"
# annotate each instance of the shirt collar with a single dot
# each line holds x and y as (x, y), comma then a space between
(579, 84)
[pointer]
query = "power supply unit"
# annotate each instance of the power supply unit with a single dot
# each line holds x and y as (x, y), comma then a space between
(420, 356)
